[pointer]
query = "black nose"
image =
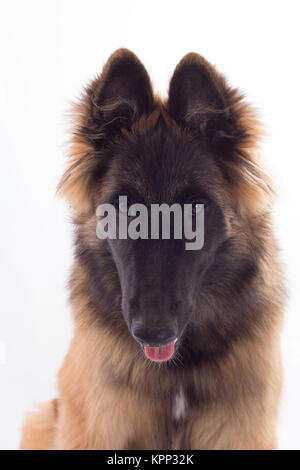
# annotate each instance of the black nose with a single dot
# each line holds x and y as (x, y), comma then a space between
(154, 336)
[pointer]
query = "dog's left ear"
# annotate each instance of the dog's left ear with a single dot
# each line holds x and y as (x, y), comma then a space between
(202, 102)
(200, 99)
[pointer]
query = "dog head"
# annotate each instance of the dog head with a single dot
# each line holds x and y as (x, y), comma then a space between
(194, 150)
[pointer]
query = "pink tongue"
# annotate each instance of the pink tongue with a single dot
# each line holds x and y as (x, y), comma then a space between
(160, 353)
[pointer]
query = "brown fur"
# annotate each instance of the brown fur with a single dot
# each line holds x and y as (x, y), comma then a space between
(110, 396)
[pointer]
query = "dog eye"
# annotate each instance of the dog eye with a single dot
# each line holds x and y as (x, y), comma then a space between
(197, 207)
(123, 207)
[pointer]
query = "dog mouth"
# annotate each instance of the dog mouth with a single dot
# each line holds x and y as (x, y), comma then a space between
(160, 353)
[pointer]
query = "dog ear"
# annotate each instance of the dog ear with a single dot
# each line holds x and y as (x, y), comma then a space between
(119, 96)
(202, 102)
(200, 99)
(112, 102)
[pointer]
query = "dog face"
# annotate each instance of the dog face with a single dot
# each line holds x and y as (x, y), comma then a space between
(160, 278)
(188, 150)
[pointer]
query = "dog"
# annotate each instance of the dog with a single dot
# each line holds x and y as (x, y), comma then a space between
(172, 348)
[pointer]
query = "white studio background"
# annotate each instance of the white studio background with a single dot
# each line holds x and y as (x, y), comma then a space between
(48, 52)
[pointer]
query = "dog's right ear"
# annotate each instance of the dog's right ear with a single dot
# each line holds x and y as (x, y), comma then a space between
(112, 102)
(120, 95)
